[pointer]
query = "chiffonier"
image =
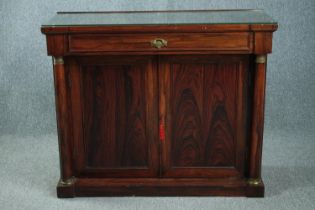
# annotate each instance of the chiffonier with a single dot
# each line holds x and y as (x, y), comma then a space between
(167, 103)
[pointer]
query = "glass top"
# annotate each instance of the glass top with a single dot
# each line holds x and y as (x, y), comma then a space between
(159, 18)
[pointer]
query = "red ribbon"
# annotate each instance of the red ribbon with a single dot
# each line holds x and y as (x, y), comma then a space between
(162, 132)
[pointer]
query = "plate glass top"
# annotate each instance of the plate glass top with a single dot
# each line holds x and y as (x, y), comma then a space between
(159, 18)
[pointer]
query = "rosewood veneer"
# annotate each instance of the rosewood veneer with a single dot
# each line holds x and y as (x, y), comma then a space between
(160, 103)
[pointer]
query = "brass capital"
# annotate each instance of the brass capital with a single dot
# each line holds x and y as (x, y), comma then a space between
(254, 182)
(67, 182)
(261, 59)
(58, 60)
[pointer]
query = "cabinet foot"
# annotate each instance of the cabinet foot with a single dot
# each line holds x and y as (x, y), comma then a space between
(66, 188)
(255, 188)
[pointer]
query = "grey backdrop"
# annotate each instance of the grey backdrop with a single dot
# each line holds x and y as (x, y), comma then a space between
(26, 86)
(27, 114)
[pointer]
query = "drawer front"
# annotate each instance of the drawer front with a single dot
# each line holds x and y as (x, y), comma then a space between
(160, 42)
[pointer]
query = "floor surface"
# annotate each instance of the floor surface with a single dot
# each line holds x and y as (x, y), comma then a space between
(29, 171)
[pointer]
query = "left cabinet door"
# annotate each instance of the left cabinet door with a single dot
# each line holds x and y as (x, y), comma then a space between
(114, 110)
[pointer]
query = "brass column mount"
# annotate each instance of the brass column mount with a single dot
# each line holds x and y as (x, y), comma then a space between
(254, 182)
(261, 59)
(58, 60)
(67, 182)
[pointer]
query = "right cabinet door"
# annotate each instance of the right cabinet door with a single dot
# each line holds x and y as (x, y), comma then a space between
(203, 115)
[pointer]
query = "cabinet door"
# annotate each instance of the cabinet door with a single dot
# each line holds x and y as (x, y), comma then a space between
(202, 108)
(114, 103)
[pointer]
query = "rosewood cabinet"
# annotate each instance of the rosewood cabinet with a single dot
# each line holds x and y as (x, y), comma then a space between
(160, 103)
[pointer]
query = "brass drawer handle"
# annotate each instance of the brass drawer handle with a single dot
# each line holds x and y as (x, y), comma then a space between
(158, 43)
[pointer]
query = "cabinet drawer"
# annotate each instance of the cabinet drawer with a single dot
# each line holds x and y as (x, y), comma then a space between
(161, 42)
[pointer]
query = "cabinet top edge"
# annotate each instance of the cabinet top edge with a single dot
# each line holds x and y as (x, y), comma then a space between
(171, 19)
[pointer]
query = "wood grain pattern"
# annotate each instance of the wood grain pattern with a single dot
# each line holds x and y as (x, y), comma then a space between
(219, 113)
(204, 96)
(116, 103)
(115, 116)
(187, 94)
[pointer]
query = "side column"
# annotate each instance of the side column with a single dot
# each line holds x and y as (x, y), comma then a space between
(65, 186)
(255, 183)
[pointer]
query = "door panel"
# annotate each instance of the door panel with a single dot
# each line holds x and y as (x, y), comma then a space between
(118, 115)
(204, 115)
